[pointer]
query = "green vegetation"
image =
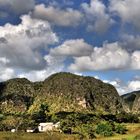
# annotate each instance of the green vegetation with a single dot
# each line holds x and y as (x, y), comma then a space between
(62, 92)
(132, 134)
(36, 136)
(120, 129)
(84, 106)
(131, 102)
(89, 125)
(41, 115)
(104, 129)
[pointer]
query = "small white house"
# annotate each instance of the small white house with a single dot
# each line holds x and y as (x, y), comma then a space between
(13, 130)
(57, 125)
(49, 126)
(30, 130)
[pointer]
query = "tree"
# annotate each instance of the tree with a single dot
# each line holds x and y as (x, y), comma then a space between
(120, 129)
(41, 116)
(104, 128)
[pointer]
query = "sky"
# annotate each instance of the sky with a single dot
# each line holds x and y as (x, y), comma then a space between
(99, 38)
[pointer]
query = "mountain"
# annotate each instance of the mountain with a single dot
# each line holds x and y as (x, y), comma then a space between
(82, 92)
(131, 102)
(16, 95)
(62, 92)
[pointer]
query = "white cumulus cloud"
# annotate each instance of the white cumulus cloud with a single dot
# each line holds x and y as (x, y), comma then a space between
(18, 6)
(22, 44)
(96, 15)
(125, 87)
(127, 10)
(5, 72)
(73, 47)
(134, 85)
(55, 15)
(131, 42)
(110, 56)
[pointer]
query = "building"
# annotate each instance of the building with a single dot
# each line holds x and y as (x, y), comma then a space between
(13, 130)
(30, 130)
(49, 126)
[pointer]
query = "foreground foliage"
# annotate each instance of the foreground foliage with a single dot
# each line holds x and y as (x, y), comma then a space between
(38, 136)
(104, 129)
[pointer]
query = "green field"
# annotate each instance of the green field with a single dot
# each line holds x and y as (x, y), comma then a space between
(132, 134)
(35, 136)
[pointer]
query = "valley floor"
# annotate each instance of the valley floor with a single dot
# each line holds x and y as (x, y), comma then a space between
(132, 134)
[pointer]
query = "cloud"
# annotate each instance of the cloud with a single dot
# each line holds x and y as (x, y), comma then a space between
(123, 88)
(23, 44)
(131, 42)
(110, 56)
(134, 85)
(97, 16)
(5, 72)
(120, 86)
(135, 60)
(57, 16)
(17, 6)
(69, 49)
(137, 77)
(39, 75)
(56, 58)
(54, 65)
(75, 47)
(127, 10)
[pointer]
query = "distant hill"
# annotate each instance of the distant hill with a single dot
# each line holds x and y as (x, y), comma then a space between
(80, 92)
(16, 95)
(62, 92)
(131, 102)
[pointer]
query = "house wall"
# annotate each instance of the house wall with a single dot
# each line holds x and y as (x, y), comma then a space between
(45, 128)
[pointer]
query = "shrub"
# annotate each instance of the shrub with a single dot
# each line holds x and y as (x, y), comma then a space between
(54, 118)
(66, 126)
(40, 116)
(127, 118)
(1, 117)
(104, 128)
(86, 130)
(120, 129)
(137, 137)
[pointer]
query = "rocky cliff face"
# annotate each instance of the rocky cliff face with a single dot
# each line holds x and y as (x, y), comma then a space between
(83, 92)
(16, 95)
(62, 92)
(131, 102)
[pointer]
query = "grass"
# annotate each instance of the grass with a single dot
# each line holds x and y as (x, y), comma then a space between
(35, 136)
(133, 131)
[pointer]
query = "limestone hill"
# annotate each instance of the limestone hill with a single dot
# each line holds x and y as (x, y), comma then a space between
(62, 92)
(131, 102)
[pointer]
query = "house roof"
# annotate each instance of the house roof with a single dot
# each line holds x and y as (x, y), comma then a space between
(45, 124)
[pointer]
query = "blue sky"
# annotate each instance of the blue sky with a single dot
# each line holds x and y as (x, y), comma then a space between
(99, 38)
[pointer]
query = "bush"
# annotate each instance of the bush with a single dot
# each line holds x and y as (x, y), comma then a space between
(86, 130)
(78, 123)
(1, 117)
(104, 129)
(66, 126)
(120, 129)
(137, 137)
(127, 118)
(40, 116)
